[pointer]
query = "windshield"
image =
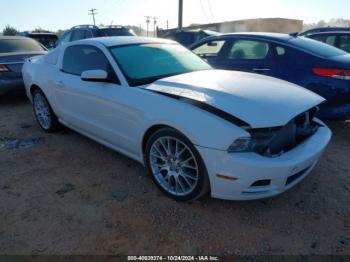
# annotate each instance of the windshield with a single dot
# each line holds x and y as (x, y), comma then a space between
(146, 63)
(316, 47)
(19, 46)
(116, 32)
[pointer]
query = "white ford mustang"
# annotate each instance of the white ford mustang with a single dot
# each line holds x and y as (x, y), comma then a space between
(240, 136)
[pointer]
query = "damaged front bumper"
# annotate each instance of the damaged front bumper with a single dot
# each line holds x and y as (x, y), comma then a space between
(249, 176)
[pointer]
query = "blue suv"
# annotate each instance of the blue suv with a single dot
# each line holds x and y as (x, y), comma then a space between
(316, 66)
(80, 32)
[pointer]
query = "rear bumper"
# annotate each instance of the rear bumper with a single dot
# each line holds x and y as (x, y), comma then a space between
(252, 171)
(12, 85)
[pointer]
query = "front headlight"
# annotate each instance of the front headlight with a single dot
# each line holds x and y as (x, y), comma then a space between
(240, 145)
(257, 143)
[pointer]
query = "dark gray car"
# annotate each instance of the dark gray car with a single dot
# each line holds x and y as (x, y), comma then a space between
(14, 50)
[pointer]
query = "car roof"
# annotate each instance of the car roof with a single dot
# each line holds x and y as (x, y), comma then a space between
(328, 28)
(124, 40)
(194, 31)
(99, 27)
(262, 35)
(113, 26)
(330, 32)
(34, 33)
(13, 37)
(324, 29)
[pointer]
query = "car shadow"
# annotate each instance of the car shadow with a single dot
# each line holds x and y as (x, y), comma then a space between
(13, 98)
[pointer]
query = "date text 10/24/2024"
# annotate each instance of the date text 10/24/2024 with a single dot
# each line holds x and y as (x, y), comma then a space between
(173, 258)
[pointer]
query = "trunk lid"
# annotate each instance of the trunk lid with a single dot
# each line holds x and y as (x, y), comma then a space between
(15, 61)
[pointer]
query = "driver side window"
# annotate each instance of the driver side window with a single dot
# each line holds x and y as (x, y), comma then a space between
(210, 49)
(80, 58)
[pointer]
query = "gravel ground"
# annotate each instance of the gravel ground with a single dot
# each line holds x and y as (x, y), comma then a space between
(65, 194)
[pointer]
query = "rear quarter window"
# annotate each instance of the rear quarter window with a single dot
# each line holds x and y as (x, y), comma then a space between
(52, 56)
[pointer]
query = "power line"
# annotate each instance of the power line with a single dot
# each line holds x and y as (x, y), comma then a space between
(93, 13)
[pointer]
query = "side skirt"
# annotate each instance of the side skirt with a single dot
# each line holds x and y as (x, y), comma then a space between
(103, 142)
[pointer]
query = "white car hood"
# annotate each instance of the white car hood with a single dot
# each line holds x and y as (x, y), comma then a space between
(258, 100)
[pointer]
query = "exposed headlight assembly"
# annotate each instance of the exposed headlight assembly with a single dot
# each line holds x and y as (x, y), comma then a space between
(258, 143)
(275, 141)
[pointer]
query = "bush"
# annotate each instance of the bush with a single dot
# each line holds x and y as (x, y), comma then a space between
(9, 31)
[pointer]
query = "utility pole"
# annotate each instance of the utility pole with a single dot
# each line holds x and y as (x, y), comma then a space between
(167, 24)
(147, 22)
(154, 26)
(93, 13)
(181, 7)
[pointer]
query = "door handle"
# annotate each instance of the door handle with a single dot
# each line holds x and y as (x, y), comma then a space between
(261, 69)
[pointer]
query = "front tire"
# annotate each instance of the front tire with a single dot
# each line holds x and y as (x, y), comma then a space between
(175, 165)
(43, 112)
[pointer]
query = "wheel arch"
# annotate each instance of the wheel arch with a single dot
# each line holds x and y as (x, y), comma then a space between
(34, 87)
(155, 127)
(150, 131)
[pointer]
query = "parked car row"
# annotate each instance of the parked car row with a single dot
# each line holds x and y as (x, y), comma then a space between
(192, 118)
(196, 129)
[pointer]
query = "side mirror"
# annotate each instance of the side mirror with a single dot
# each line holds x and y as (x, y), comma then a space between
(95, 76)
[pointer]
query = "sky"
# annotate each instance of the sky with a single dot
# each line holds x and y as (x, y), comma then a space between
(63, 14)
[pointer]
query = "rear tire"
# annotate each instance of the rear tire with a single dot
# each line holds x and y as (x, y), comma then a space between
(43, 112)
(176, 166)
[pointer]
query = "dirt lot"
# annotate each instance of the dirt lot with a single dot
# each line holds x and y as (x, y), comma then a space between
(65, 194)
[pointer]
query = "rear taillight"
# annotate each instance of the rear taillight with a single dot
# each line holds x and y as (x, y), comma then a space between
(335, 73)
(3, 68)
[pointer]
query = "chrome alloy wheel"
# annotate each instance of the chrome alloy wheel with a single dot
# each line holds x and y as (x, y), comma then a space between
(42, 111)
(174, 166)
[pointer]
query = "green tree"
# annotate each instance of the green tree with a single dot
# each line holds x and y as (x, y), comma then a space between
(9, 31)
(40, 30)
